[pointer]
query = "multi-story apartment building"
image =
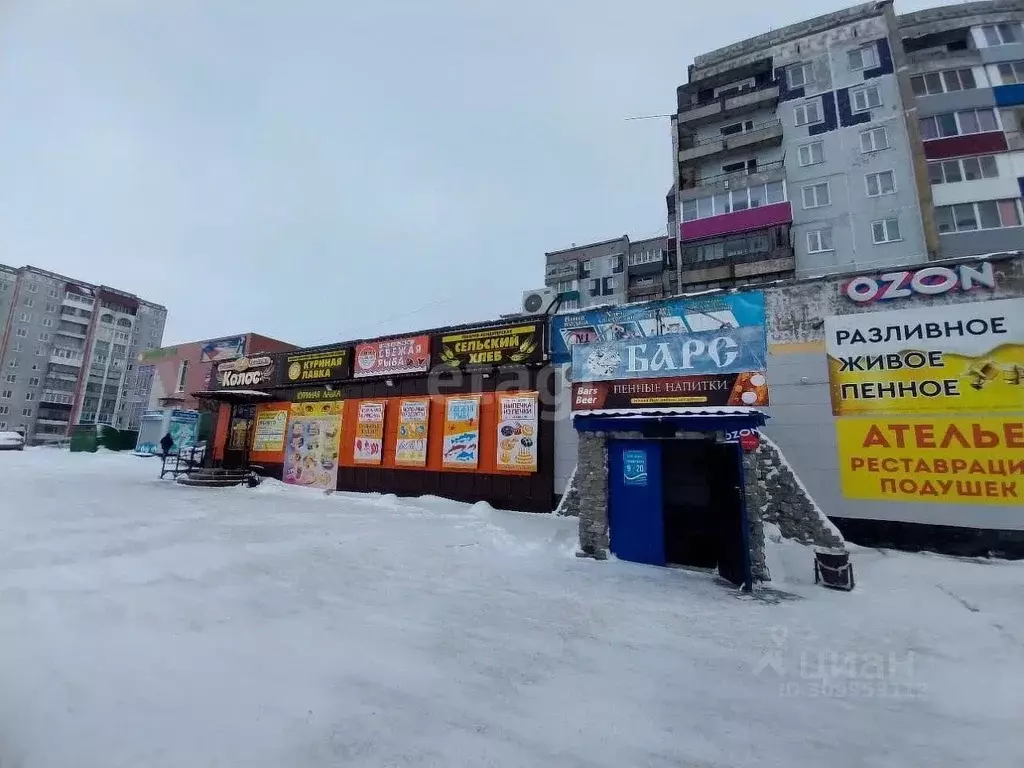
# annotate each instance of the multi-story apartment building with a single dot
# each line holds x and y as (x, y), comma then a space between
(612, 272)
(68, 352)
(816, 148)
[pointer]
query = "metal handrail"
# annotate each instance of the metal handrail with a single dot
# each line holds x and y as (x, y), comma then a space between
(759, 127)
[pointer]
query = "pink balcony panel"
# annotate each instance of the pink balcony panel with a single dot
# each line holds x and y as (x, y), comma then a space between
(963, 146)
(741, 221)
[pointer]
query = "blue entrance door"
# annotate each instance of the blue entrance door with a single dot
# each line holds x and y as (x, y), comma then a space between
(636, 524)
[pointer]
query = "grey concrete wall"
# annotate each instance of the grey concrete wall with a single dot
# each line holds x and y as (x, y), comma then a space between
(941, 103)
(982, 241)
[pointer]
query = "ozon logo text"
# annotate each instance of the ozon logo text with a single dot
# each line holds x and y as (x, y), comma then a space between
(929, 281)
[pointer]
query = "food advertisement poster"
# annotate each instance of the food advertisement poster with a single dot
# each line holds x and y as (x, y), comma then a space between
(310, 368)
(314, 438)
(183, 427)
(413, 423)
(461, 447)
(656, 318)
(369, 444)
(741, 389)
(956, 460)
(951, 358)
(517, 431)
(392, 356)
(515, 345)
(268, 435)
(219, 350)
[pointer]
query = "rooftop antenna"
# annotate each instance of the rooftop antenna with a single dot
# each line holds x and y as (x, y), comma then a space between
(649, 117)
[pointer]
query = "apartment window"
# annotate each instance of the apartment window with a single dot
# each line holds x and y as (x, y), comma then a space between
(40, 351)
(816, 195)
(689, 210)
(885, 231)
(21, 333)
(25, 317)
(32, 288)
(29, 302)
(618, 265)
(879, 184)
(562, 286)
(863, 58)
(51, 307)
(734, 167)
(1001, 34)
(943, 82)
(12, 378)
(819, 240)
(866, 98)
(52, 293)
(4, 411)
(13, 363)
(33, 381)
(988, 214)
(874, 140)
(800, 75)
(29, 396)
(958, 123)
(1011, 72)
(6, 394)
(585, 268)
(44, 336)
(811, 154)
(775, 192)
(807, 114)
(26, 412)
(16, 347)
(966, 169)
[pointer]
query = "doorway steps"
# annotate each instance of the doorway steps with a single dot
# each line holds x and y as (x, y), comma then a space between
(218, 478)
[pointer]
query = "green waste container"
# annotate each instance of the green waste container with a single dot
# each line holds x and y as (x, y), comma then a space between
(84, 438)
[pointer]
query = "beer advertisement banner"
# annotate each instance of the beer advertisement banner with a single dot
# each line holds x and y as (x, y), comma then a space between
(268, 434)
(392, 357)
(727, 350)
(511, 345)
(305, 368)
(738, 389)
(247, 373)
(314, 440)
(369, 445)
(949, 358)
(655, 318)
(517, 431)
(957, 460)
(461, 448)
(413, 423)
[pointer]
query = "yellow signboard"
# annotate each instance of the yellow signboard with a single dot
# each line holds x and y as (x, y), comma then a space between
(958, 357)
(961, 460)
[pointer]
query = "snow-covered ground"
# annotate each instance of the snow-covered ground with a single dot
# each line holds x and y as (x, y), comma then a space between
(147, 624)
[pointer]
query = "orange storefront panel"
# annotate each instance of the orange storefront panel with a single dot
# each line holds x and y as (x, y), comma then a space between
(269, 433)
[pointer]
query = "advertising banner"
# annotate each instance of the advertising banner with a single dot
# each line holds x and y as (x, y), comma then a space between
(738, 389)
(413, 423)
(314, 437)
(393, 356)
(461, 446)
(312, 395)
(183, 426)
(955, 357)
(517, 431)
(219, 350)
(304, 368)
(369, 444)
(959, 460)
(736, 350)
(268, 434)
(511, 345)
(247, 373)
(656, 318)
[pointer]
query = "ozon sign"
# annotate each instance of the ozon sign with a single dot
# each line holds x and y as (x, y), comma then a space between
(244, 372)
(928, 281)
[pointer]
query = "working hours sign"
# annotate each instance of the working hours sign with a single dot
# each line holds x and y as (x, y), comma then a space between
(955, 357)
(960, 460)
(516, 344)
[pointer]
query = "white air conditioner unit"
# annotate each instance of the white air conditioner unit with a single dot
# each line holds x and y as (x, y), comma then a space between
(538, 302)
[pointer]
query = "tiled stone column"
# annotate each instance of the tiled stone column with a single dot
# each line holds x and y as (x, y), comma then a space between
(592, 487)
(756, 498)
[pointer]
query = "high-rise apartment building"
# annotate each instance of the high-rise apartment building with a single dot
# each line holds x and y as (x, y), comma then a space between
(855, 140)
(68, 352)
(612, 272)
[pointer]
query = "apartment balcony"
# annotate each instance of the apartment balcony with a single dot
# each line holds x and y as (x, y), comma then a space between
(568, 270)
(645, 286)
(57, 397)
(60, 376)
(761, 217)
(764, 254)
(728, 105)
(73, 332)
(762, 174)
(74, 360)
(68, 315)
(765, 134)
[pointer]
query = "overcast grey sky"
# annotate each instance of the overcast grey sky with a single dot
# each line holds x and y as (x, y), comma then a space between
(317, 170)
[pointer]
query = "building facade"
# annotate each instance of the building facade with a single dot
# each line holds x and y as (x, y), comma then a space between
(68, 353)
(167, 376)
(611, 272)
(855, 140)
